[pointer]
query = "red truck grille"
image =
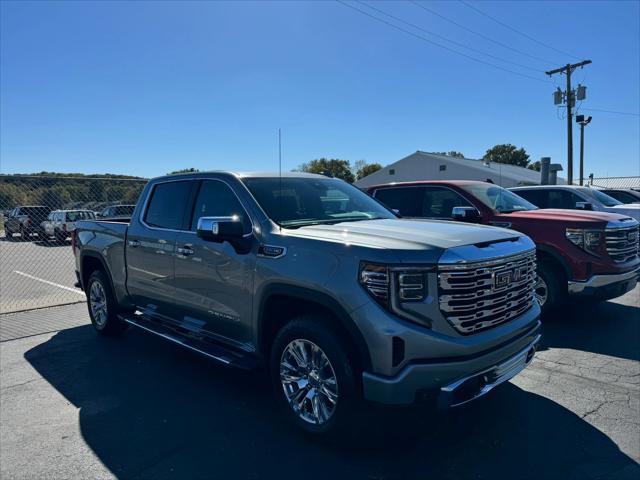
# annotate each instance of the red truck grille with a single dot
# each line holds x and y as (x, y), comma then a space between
(622, 243)
(480, 295)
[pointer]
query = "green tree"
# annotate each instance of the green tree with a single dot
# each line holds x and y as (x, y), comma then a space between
(535, 166)
(507, 154)
(335, 167)
(367, 169)
(10, 196)
(452, 153)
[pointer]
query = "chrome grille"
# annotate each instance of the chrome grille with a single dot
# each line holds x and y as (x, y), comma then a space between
(480, 295)
(622, 243)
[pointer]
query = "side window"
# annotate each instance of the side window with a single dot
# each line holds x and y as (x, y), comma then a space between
(537, 197)
(406, 200)
(438, 202)
(216, 199)
(562, 199)
(167, 205)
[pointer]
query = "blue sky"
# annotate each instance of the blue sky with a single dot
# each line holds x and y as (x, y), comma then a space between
(144, 88)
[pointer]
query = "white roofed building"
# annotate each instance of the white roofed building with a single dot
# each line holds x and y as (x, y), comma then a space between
(428, 166)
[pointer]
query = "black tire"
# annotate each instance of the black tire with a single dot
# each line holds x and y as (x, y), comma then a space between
(59, 237)
(553, 279)
(23, 235)
(313, 328)
(8, 234)
(107, 322)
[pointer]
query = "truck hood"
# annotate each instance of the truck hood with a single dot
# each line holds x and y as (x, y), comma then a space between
(400, 234)
(561, 215)
(630, 209)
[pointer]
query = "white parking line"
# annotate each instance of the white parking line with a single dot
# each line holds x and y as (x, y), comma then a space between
(74, 290)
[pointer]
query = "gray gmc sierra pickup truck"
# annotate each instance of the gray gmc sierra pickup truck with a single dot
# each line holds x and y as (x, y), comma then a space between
(319, 282)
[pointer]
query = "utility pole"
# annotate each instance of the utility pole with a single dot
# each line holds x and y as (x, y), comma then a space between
(569, 96)
(583, 121)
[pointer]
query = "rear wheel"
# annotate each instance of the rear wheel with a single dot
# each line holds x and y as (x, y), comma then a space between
(313, 376)
(9, 234)
(102, 305)
(550, 289)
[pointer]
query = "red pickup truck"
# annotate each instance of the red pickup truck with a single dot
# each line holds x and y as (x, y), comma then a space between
(585, 253)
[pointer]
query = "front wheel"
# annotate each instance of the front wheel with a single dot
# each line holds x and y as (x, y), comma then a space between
(550, 290)
(313, 376)
(102, 305)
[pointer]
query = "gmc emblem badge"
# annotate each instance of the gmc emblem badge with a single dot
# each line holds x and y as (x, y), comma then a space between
(501, 279)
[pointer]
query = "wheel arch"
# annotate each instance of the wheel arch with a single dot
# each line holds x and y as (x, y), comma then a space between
(295, 300)
(548, 255)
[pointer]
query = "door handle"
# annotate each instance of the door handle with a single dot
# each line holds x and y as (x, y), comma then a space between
(184, 251)
(133, 243)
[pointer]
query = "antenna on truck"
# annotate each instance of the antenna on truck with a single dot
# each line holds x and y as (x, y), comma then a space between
(280, 178)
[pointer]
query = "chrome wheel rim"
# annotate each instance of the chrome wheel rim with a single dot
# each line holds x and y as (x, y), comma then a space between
(542, 291)
(98, 303)
(309, 381)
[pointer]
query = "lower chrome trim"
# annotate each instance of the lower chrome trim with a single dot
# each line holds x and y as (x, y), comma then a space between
(494, 375)
(601, 280)
(177, 340)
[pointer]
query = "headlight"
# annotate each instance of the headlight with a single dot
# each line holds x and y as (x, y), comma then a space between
(588, 240)
(404, 284)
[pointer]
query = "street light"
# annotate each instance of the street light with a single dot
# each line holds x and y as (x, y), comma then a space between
(583, 121)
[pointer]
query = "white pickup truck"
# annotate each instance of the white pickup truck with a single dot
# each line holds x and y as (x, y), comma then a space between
(60, 223)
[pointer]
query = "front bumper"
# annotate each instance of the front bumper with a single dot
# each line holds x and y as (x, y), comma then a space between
(605, 286)
(454, 382)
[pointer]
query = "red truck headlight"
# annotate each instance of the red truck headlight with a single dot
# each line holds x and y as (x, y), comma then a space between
(588, 240)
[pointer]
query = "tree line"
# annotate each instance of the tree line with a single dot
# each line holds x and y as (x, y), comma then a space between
(76, 190)
(60, 190)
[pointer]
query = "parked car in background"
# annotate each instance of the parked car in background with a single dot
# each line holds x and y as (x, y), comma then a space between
(328, 289)
(26, 221)
(579, 253)
(117, 211)
(60, 223)
(573, 197)
(624, 195)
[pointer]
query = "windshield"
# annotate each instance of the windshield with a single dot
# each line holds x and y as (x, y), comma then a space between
(603, 198)
(296, 202)
(498, 198)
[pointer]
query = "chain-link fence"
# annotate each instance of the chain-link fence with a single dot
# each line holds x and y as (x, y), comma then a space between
(37, 215)
(614, 182)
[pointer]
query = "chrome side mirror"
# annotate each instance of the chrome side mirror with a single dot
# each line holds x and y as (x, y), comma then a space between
(465, 214)
(219, 229)
(584, 206)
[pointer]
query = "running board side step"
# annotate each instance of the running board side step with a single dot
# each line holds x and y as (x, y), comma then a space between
(214, 351)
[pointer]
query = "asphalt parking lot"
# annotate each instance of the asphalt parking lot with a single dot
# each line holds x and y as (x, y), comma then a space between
(78, 406)
(36, 274)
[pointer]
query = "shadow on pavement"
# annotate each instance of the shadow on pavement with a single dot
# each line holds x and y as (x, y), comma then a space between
(149, 409)
(606, 328)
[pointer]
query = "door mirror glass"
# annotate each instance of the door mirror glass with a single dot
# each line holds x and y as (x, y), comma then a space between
(584, 206)
(219, 229)
(465, 214)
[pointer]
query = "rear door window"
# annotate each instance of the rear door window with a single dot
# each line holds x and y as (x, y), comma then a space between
(406, 200)
(167, 204)
(537, 197)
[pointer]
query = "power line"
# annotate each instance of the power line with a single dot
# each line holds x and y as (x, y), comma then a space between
(417, 27)
(611, 111)
(481, 35)
(505, 25)
(424, 39)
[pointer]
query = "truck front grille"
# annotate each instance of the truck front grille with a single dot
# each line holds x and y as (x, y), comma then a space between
(480, 295)
(622, 243)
